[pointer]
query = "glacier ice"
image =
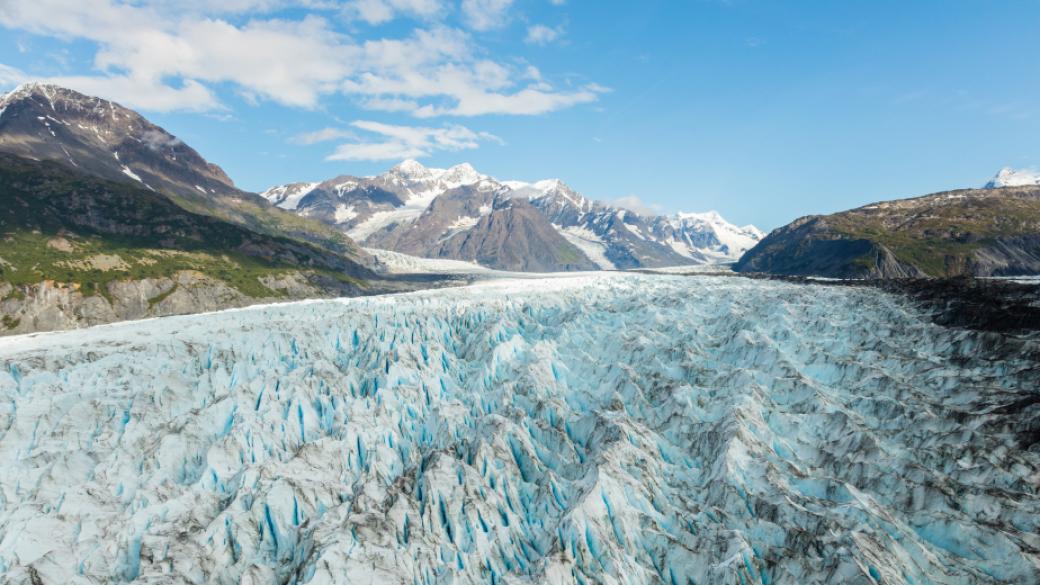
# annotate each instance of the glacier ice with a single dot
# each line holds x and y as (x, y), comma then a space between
(609, 428)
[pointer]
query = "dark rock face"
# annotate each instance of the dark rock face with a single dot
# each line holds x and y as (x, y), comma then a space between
(808, 247)
(630, 240)
(514, 236)
(103, 139)
(329, 203)
(977, 232)
(47, 197)
(486, 226)
(454, 211)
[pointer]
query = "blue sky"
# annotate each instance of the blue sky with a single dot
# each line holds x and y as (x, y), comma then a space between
(764, 110)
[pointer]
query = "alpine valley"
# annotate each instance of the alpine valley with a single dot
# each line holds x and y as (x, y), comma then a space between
(435, 377)
(108, 217)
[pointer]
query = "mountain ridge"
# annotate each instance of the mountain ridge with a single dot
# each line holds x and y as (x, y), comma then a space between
(993, 231)
(106, 216)
(609, 237)
(102, 138)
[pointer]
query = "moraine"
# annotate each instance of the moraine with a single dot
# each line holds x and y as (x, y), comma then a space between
(607, 428)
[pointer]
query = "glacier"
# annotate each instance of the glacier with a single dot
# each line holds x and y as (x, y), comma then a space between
(593, 428)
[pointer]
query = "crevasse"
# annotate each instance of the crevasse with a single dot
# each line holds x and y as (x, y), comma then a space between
(612, 428)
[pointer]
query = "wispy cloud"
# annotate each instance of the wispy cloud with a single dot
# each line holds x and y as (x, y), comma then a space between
(396, 142)
(541, 34)
(323, 135)
(149, 94)
(156, 56)
(636, 204)
(486, 14)
(381, 11)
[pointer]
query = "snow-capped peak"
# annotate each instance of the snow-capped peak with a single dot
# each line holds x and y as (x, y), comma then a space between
(547, 185)
(461, 175)
(1009, 177)
(288, 196)
(456, 176)
(411, 169)
(732, 240)
(711, 216)
(715, 219)
(29, 89)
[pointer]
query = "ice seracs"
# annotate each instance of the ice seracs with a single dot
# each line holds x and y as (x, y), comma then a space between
(612, 428)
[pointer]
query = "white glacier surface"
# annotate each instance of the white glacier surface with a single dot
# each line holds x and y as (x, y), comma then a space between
(608, 428)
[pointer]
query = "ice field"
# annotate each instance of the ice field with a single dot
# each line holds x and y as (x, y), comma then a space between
(597, 428)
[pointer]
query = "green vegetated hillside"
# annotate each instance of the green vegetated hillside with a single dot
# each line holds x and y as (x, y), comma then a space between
(59, 225)
(977, 232)
(81, 237)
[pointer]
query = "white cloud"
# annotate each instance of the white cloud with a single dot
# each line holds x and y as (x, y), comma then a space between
(540, 34)
(433, 71)
(10, 76)
(323, 135)
(486, 14)
(634, 203)
(145, 94)
(153, 57)
(393, 142)
(381, 11)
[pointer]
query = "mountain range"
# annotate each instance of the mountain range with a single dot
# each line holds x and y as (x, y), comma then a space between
(462, 214)
(107, 216)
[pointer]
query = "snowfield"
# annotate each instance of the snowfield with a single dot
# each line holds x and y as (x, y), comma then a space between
(600, 428)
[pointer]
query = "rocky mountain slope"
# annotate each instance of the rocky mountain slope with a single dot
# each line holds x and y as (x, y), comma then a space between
(606, 429)
(977, 232)
(102, 138)
(440, 213)
(77, 250)
(106, 216)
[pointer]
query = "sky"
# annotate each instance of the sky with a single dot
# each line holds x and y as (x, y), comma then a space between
(764, 110)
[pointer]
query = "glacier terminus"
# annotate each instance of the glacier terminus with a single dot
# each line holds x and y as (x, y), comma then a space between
(609, 428)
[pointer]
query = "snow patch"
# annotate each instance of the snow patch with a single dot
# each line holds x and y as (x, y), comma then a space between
(131, 174)
(589, 243)
(288, 196)
(344, 213)
(398, 263)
